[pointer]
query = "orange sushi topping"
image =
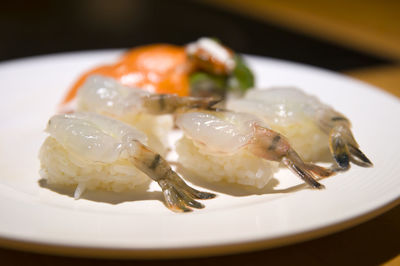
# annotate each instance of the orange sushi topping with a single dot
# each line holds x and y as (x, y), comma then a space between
(158, 68)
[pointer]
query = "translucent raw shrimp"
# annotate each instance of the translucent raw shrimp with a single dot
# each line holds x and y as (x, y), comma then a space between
(221, 134)
(145, 111)
(312, 127)
(96, 152)
(105, 95)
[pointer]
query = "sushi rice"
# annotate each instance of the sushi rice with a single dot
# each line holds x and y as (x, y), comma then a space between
(242, 167)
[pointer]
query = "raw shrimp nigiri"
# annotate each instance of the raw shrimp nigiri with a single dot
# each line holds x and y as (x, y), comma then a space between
(312, 127)
(105, 95)
(239, 148)
(145, 111)
(92, 151)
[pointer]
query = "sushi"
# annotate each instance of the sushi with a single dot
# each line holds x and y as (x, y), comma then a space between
(238, 148)
(314, 129)
(95, 152)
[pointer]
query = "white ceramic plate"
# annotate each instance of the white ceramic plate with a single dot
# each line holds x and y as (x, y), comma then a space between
(138, 225)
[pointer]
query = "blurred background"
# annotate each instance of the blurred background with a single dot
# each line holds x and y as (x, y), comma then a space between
(359, 38)
(256, 27)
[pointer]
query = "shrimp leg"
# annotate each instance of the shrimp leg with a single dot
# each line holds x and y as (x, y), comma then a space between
(270, 145)
(178, 195)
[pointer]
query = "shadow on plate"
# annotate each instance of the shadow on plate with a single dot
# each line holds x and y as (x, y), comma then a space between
(235, 189)
(139, 194)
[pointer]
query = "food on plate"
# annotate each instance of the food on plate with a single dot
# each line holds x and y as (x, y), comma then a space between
(312, 127)
(217, 69)
(238, 148)
(202, 68)
(91, 151)
(207, 130)
(145, 111)
(115, 134)
(157, 68)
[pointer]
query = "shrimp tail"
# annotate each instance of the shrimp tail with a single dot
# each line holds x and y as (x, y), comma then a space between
(318, 170)
(358, 157)
(159, 104)
(178, 195)
(270, 145)
(174, 200)
(345, 149)
(340, 151)
(294, 163)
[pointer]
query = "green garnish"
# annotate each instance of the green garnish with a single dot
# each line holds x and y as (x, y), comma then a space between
(242, 78)
(204, 84)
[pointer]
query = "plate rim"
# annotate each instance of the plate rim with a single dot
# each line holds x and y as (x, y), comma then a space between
(191, 252)
(196, 251)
